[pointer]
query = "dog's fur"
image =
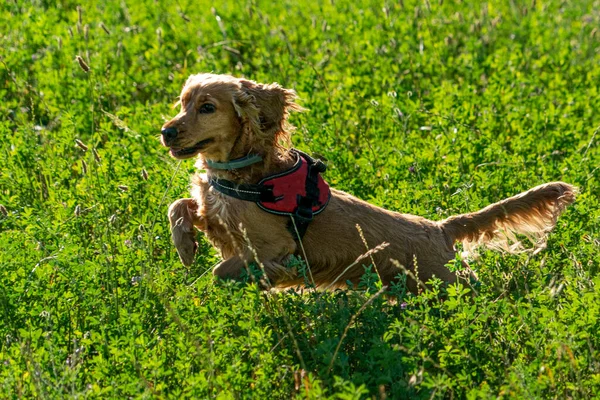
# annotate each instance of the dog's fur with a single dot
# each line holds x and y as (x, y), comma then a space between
(251, 118)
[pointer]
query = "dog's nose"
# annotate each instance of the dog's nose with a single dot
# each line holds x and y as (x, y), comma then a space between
(169, 134)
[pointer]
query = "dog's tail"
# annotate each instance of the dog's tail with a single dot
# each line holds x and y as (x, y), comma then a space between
(532, 213)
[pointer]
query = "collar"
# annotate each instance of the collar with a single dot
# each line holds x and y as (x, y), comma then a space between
(236, 163)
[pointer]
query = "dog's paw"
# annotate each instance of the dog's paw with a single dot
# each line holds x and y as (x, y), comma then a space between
(182, 230)
(184, 239)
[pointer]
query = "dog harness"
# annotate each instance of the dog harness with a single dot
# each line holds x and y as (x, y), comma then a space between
(299, 192)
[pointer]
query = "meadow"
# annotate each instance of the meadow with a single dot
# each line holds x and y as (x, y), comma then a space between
(425, 107)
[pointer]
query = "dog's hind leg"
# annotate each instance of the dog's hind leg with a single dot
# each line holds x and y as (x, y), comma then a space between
(183, 217)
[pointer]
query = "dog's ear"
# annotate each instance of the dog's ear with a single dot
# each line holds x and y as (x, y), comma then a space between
(266, 107)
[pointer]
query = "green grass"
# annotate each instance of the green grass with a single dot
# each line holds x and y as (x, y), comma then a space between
(420, 107)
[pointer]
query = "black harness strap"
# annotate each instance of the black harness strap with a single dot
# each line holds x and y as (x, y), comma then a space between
(248, 192)
(303, 215)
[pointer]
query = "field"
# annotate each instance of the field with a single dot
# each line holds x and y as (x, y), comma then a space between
(424, 107)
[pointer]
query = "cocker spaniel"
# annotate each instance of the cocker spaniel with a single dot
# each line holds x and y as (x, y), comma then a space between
(262, 202)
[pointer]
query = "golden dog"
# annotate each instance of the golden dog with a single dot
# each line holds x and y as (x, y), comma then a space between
(224, 118)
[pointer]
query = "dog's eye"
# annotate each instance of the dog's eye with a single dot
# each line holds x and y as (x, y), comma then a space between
(207, 108)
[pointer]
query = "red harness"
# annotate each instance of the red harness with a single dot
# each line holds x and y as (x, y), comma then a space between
(290, 187)
(299, 192)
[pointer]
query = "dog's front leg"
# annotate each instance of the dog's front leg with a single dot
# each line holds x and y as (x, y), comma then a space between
(183, 216)
(233, 267)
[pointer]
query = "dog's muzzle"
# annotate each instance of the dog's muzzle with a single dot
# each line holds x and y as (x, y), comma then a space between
(169, 134)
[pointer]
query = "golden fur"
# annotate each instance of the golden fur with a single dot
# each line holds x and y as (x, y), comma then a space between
(251, 118)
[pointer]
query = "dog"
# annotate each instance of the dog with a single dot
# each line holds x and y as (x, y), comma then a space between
(238, 130)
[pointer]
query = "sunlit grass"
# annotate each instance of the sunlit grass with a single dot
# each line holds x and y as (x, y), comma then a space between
(420, 107)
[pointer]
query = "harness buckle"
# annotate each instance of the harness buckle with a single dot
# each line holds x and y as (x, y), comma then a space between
(320, 166)
(304, 214)
(267, 194)
(301, 218)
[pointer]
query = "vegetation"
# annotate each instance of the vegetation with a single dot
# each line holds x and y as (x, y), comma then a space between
(424, 107)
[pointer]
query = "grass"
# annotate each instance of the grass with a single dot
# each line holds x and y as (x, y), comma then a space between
(431, 108)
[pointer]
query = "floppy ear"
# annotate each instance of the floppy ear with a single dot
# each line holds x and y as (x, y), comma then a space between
(265, 108)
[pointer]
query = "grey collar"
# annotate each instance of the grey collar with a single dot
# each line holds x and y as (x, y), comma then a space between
(235, 164)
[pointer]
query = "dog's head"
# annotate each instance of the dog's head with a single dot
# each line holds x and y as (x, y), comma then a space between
(220, 112)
